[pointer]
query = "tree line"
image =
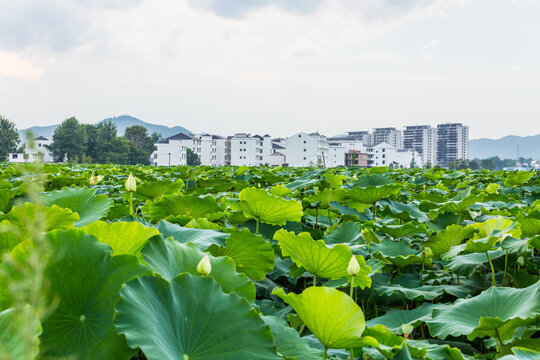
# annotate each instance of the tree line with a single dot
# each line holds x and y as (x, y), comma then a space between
(85, 143)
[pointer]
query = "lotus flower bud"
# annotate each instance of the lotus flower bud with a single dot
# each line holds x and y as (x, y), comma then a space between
(520, 261)
(354, 267)
(131, 184)
(92, 180)
(99, 178)
(204, 267)
(407, 329)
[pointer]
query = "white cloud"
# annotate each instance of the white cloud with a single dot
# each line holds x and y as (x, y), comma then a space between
(14, 65)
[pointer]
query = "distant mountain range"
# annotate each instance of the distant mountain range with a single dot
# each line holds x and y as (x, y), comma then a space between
(506, 147)
(122, 122)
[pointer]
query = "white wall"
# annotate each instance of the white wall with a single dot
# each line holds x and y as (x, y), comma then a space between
(306, 150)
(172, 153)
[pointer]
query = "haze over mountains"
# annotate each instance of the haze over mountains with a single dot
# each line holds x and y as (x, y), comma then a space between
(504, 148)
(121, 122)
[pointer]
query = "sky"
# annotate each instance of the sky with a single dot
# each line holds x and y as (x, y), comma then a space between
(274, 66)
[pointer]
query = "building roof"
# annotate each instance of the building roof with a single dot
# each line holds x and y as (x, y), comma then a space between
(217, 137)
(277, 146)
(43, 138)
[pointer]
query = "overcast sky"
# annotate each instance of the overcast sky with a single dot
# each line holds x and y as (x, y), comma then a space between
(274, 66)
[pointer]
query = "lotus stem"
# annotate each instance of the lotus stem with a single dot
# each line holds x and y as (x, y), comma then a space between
(330, 218)
(498, 340)
(492, 270)
(373, 211)
(325, 353)
(505, 264)
(131, 203)
(301, 329)
(314, 280)
(257, 226)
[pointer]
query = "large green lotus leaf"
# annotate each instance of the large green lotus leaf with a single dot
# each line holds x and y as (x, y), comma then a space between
(400, 210)
(394, 318)
(400, 253)
(496, 227)
(157, 188)
(281, 191)
(86, 278)
(467, 264)
(202, 237)
(187, 206)
(25, 217)
(518, 178)
(331, 315)
(530, 225)
(273, 210)
(501, 309)
(373, 180)
(169, 258)
(382, 340)
(318, 259)
(306, 180)
(345, 233)
(425, 292)
(190, 318)
(202, 223)
(398, 231)
(438, 351)
(459, 203)
(350, 211)
(8, 237)
(288, 343)
(19, 333)
(521, 353)
(372, 194)
(442, 242)
(83, 201)
(251, 254)
(326, 196)
(122, 237)
(476, 245)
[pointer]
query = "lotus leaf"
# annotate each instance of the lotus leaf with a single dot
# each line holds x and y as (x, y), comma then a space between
(83, 201)
(273, 210)
(332, 316)
(169, 258)
(182, 208)
(19, 336)
(190, 318)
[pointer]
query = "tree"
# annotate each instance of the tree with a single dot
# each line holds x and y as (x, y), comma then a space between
(156, 137)
(192, 158)
(9, 138)
(487, 164)
(142, 145)
(69, 138)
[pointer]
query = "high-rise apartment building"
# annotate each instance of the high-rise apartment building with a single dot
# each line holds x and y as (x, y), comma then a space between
(423, 140)
(452, 143)
(388, 135)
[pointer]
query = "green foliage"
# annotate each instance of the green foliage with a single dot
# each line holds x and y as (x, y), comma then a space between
(69, 140)
(452, 255)
(9, 138)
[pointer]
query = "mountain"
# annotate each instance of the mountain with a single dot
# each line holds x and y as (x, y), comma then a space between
(122, 122)
(506, 147)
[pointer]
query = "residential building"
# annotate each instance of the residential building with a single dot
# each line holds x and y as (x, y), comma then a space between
(247, 150)
(452, 143)
(384, 154)
(173, 150)
(356, 158)
(340, 145)
(423, 140)
(212, 149)
(277, 156)
(40, 152)
(304, 150)
(389, 135)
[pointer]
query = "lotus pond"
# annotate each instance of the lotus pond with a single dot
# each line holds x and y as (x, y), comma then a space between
(192, 263)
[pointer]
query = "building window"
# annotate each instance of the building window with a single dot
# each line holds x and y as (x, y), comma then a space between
(305, 150)
(304, 158)
(300, 137)
(304, 141)
(15, 156)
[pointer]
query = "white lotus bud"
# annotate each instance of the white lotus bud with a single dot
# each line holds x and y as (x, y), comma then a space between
(407, 329)
(92, 180)
(520, 261)
(354, 267)
(204, 267)
(131, 184)
(99, 178)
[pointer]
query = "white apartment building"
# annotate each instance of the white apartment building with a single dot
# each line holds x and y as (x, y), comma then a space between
(384, 154)
(423, 140)
(452, 143)
(277, 157)
(247, 150)
(388, 135)
(39, 153)
(302, 150)
(339, 146)
(212, 149)
(172, 151)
